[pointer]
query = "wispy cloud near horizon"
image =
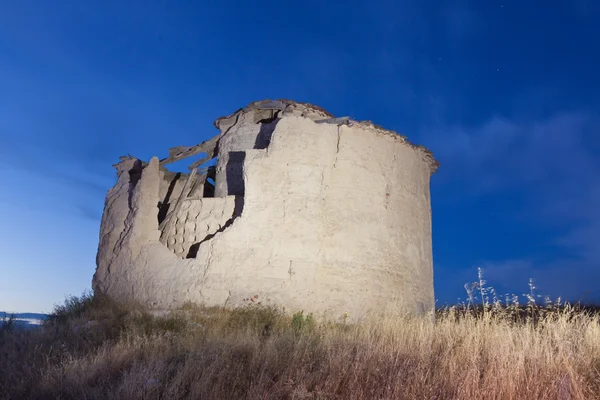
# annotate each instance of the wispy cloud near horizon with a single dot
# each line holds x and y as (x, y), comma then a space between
(555, 175)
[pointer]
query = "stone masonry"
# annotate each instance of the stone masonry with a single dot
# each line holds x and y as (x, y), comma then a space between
(289, 206)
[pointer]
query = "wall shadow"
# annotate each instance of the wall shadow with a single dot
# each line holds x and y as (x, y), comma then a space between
(135, 174)
(234, 171)
(163, 206)
(267, 127)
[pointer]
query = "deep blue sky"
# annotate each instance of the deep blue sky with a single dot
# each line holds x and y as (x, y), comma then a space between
(505, 93)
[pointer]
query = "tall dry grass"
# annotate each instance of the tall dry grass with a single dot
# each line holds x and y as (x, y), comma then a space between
(260, 353)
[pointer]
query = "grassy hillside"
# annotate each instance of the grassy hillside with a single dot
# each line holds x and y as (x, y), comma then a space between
(92, 348)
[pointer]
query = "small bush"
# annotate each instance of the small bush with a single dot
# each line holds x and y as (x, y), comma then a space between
(255, 318)
(302, 324)
(73, 307)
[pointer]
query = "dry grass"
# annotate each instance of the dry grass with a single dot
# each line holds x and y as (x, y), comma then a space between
(259, 353)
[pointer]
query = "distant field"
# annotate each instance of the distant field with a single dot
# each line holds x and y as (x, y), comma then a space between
(92, 348)
(23, 320)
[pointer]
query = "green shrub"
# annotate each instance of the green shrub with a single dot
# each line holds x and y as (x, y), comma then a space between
(302, 323)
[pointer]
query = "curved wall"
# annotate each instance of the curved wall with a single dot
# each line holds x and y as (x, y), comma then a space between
(335, 219)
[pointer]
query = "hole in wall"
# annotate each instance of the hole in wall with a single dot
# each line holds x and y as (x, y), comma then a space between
(209, 183)
(234, 171)
(175, 177)
(267, 127)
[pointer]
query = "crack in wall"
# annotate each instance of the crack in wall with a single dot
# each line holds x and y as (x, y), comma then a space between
(290, 270)
(135, 174)
(337, 149)
(237, 212)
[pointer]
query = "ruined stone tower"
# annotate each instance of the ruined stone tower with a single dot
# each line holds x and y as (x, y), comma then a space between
(289, 206)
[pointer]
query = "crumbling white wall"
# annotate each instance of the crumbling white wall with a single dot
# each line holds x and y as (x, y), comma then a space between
(251, 130)
(198, 220)
(334, 219)
(170, 188)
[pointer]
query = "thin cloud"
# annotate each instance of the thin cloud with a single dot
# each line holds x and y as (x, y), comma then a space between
(90, 213)
(551, 164)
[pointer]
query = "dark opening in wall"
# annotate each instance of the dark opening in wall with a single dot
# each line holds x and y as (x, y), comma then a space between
(209, 182)
(201, 185)
(234, 172)
(165, 204)
(135, 174)
(267, 127)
